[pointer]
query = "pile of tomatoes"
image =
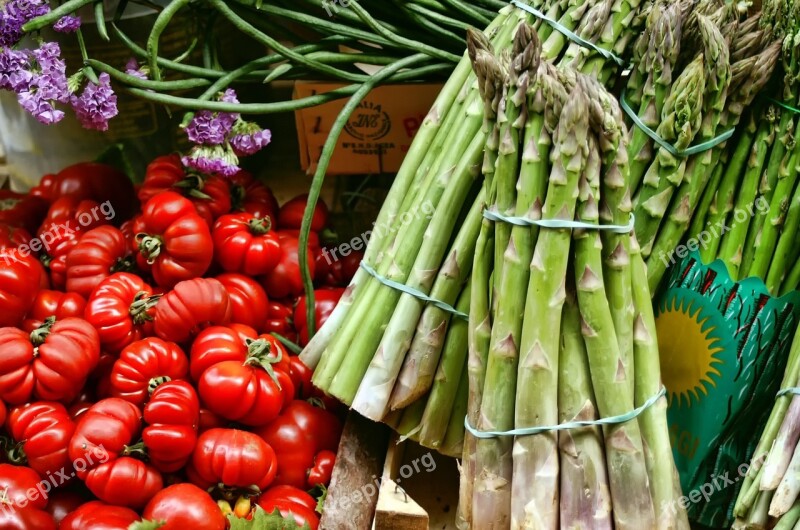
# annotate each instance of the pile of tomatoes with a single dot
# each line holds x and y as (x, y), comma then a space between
(147, 341)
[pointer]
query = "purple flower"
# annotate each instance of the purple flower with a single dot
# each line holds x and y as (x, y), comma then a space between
(249, 144)
(14, 73)
(47, 84)
(96, 105)
(212, 160)
(132, 68)
(68, 24)
(15, 14)
(208, 128)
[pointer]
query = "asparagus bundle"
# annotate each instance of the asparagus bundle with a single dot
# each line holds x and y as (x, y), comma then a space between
(769, 494)
(398, 354)
(697, 69)
(562, 319)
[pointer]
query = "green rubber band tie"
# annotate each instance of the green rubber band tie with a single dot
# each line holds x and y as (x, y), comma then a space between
(699, 148)
(493, 215)
(568, 33)
(413, 292)
(784, 105)
(791, 390)
(570, 425)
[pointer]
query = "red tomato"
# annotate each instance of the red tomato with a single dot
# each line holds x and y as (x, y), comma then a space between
(3, 413)
(20, 278)
(335, 270)
(99, 254)
(291, 214)
(121, 309)
(58, 240)
(53, 304)
(77, 213)
(92, 180)
(211, 195)
(190, 307)
(244, 243)
(301, 377)
(172, 240)
(297, 436)
(234, 458)
(234, 343)
(43, 430)
(125, 481)
(13, 236)
(52, 363)
(288, 494)
(22, 511)
(184, 506)
(145, 364)
(249, 301)
(173, 417)
(64, 501)
(325, 301)
(209, 420)
(19, 209)
(303, 515)
(320, 474)
(98, 449)
(279, 320)
(96, 515)
(253, 197)
(285, 279)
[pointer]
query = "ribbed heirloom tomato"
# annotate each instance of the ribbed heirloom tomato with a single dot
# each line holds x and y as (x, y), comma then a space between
(103, 438)
(62, 239)
(210, 195)
(22, 510)
(172, 240)
(249, 302)
(234, 342)
(13, 236)
(96, 515)
(43, 430)
(53, 304)
(291, 501)
(245, 243)
(143, 365)
(249, 195)
(237, 459)
(172, 416)
(20, 279)
(100, 253)
(77, 213)
(121, 309)
(190, 307)
(51, 363)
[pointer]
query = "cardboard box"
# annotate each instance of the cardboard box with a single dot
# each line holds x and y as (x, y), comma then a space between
(378, 134)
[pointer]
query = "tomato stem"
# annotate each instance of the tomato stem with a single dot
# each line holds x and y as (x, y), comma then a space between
(259, 225)
(192, 186)
(16, 455)
(156, 382)
(125, 264)
(137, 450)
(149, 246)
(39, 335)
(142, 304)
(259, 354)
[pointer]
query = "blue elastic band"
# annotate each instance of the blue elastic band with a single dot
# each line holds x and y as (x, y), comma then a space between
(413, 292)
(791, 390)
(622, 418)
(680, 153)
(558, 223)
(568, 33)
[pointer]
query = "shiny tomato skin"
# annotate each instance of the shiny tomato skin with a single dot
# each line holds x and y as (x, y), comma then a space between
(22, 511)
(53, 303)
(13, 236)
(172, 240)
(144, 362)
(173, 416)
(97, 515)
(325, 301)
(249, 302)
(54, 255)
(250, 195)
(320, 474)
(44, 428)
(190, 307)
(20, 279)
(234, 458)
(246, 244)
(289, 494)
(55, 369)
(185, 506)
(125, 481)
(63, 501)
(121, 309)
(243, 393)
(217, 344)
(209, 420)
(100, 253)
(81, 214)
(285, 279)
(103, 432)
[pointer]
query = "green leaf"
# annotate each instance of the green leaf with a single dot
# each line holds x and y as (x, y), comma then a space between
(146, 525)
(322, 497)
(265, 521)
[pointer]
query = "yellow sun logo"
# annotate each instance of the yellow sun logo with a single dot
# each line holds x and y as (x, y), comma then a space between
(688, 349)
